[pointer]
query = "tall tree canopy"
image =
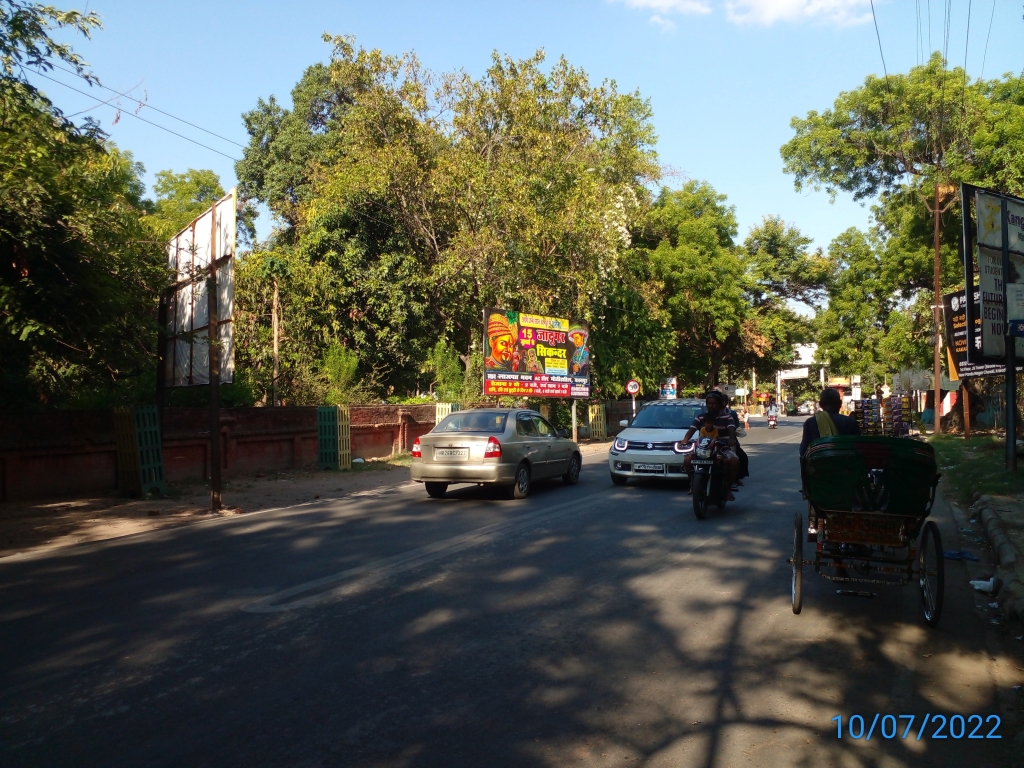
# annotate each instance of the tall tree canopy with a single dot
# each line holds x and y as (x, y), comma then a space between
(80, 273)
(893, 140)
(407, 202)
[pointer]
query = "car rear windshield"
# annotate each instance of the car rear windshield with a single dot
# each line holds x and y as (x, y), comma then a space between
(474, 421)
(666, 417)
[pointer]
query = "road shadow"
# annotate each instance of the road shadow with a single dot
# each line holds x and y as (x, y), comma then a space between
(626, 635)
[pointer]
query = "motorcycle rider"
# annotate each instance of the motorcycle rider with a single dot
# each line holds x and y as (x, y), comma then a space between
(721, 418)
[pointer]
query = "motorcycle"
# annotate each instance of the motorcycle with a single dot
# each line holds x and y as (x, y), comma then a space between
(773, 421)
(709, 481)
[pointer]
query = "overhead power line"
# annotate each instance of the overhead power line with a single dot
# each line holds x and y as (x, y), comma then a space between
(885, 71)
(991, 18)
(131, 114)
(967, 40)
(162, 112)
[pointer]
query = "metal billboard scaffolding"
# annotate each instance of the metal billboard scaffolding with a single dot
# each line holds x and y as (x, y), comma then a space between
(198, 307)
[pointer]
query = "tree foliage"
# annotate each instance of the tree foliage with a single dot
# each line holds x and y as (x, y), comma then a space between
(895, 140)
(80, 273)
(410, 201)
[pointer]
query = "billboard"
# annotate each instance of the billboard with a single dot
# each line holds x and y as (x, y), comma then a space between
(208, 239)
(954, 315)
(528, 355)
(994, 236)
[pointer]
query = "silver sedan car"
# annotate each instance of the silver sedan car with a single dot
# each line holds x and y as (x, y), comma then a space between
(497, 446)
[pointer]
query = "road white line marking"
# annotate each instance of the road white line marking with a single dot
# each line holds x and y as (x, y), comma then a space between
(365, 575)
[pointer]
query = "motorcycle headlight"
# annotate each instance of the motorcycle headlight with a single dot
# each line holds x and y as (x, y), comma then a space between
(703, 453)
(620, 444)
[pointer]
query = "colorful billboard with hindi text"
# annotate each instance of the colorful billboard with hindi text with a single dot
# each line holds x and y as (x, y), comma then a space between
(527, 355)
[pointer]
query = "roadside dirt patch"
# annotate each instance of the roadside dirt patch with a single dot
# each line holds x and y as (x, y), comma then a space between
(63, 522)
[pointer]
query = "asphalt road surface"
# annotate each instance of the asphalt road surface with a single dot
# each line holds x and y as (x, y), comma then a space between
(589, 625)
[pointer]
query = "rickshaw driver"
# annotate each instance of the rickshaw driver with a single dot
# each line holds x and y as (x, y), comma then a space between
(828, 421)
(726, 426)
(825, 423)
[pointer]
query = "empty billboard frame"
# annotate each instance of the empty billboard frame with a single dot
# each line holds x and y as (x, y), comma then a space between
(185, 321)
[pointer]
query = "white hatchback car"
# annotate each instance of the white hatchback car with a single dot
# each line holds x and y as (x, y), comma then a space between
(647, 446)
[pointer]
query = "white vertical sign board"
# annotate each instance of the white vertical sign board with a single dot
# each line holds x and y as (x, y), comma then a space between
(999, 294)
(189, 255)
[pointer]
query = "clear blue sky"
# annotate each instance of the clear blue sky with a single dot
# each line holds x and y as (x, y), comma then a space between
(724, 78)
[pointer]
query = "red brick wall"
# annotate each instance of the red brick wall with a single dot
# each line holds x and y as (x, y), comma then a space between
(73, 452)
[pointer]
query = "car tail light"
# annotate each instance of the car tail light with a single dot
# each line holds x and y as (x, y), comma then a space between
(493, 449)
(417, 453)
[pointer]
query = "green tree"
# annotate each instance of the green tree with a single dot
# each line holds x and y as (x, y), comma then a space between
(418, 206)
(180, 198)
(81, 274)
(449, 375)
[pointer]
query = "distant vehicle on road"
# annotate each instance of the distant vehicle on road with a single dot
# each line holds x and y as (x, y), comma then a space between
(805, 409)
(647, 446)
(494, 446)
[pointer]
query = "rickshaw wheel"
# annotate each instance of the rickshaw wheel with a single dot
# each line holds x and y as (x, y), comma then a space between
(931, 572)
(798, 562)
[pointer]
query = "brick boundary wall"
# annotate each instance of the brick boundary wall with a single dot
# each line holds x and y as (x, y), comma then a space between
(61, 453)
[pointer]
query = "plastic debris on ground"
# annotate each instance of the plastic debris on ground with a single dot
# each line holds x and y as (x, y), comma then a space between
(988, 586)
(954, 554)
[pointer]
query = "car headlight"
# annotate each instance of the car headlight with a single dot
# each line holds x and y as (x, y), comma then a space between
(681, 447)
(703, 453)
(620, 444)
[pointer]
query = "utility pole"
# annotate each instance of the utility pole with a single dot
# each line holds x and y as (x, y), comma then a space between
(936, 212)
(937, 360)
(213, 339)
(277, 335)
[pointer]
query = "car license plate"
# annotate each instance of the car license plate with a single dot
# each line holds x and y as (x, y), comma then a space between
(649, 467)
(703, 462)
(451, 453)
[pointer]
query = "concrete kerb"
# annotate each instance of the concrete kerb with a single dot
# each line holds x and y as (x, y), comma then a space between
(1011, 596)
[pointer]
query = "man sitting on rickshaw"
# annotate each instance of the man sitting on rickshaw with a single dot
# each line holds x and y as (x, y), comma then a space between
(828, 421)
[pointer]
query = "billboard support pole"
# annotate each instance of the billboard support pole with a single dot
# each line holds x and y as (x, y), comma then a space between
(937, 359)
(213, 339)
(1011, 353)
(161, 358)
(965, 396)
(575, 430)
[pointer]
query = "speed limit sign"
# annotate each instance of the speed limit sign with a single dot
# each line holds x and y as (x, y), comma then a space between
(633, 386)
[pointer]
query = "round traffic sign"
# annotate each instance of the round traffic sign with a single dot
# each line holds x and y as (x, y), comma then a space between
(632, 386)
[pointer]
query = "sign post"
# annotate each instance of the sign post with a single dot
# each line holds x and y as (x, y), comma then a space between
(1011, 347)
(633, 388)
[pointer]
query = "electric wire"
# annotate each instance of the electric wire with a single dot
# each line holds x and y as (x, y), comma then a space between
(987, 37)
(155, 109)
(885, 71)
(916, 32)
(967, 40)
(929, 28)
(150, 122)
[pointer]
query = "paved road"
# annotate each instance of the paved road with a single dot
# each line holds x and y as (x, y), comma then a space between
(591, 626)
